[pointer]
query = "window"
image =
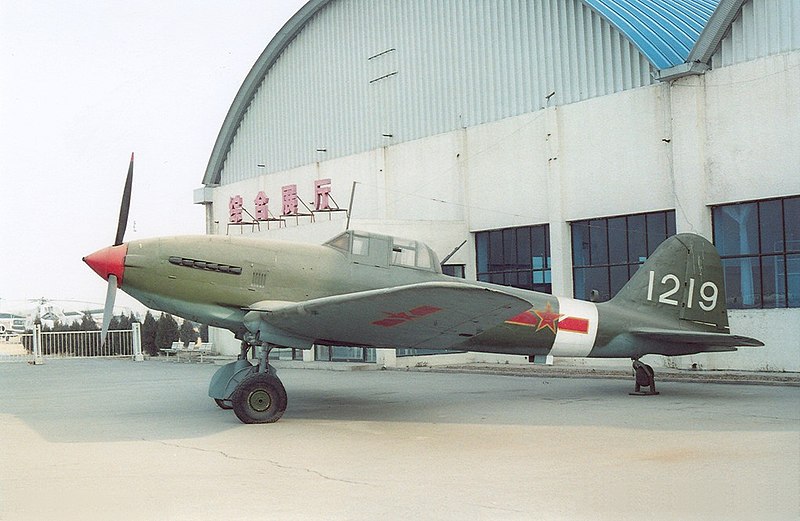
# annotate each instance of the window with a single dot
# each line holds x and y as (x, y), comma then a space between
(454, 270)
(606, 252)
(360, 245)
(759, 243)
(411, 254)
(344, 354)
(286, 353)
(341, 242)
(517, 257)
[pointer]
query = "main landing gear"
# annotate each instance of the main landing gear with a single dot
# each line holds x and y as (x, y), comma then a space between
(645, 377)
(254, 392)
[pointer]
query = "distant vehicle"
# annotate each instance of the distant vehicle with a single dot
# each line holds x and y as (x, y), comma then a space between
(6, 335)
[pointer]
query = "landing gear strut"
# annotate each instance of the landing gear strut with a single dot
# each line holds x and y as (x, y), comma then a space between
(645, 377)
(254, 392)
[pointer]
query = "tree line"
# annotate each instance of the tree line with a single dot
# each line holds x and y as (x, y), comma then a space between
(156, 333)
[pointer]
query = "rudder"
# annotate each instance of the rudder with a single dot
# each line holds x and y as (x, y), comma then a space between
(681, 280)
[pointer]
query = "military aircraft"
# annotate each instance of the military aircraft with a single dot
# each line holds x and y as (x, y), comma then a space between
(367, 289)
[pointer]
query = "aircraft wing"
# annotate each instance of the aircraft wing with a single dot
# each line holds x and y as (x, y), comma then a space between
(696, 337)
(431, 315)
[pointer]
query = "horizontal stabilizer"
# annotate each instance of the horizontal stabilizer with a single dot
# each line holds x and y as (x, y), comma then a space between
(696, 337)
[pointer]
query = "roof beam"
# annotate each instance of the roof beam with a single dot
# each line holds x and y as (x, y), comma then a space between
(715, 30)
(679, 71)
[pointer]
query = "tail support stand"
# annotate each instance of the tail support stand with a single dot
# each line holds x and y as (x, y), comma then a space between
(645, 377)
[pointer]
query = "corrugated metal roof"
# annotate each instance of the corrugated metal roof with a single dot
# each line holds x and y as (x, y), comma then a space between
(665, 31)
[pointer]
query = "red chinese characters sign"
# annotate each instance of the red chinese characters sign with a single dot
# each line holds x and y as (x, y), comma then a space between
(290, 202)
(235, 209)
(322, 190)
(289, 199)
(262, 206)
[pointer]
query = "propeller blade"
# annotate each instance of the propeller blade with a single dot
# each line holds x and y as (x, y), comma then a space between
(108, 310)
(124, 206)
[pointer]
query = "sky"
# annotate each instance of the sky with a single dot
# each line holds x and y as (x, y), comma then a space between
(84, 84)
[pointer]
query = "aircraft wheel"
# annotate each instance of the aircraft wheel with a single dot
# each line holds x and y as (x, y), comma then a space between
(223, 404)
(260, 398)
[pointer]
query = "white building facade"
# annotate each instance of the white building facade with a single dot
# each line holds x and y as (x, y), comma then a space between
(562, 139)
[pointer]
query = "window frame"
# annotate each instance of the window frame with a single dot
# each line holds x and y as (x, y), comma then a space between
(758, 255)
(500, 261)
(607, 266)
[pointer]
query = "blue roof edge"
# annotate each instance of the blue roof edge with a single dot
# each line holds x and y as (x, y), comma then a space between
(664, 31)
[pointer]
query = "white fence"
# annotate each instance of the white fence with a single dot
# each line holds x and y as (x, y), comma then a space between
(37, 346)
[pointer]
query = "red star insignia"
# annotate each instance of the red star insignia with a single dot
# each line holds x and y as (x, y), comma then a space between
(547, 319)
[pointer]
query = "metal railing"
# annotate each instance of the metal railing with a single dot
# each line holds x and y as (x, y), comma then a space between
(17, 348)
(86, 344)
(36, 346)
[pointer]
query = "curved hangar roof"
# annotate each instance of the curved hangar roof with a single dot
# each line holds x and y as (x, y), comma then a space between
(664, 32)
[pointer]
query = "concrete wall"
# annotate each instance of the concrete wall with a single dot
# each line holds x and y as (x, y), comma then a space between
(729, 135)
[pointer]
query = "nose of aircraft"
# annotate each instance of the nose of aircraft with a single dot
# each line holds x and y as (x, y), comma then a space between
(108, 261)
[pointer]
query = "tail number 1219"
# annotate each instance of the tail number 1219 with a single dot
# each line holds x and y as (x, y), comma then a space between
(707, 294)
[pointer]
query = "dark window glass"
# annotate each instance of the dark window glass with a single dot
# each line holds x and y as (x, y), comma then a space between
(770, 226)
(670, 227)
(637, 240)
(742, 282)
(773, 281)
(754, 239)
(580, 243)
(599, 241)
(524, 248)
(540, 245)
(510, 278)
(615, 248)
(495, 250)
(579, 283)
(509, 248)
(793, 280)
(514, 257)
(617, 241)
(656, 231)
(619, 276)
(597, 279)
(739, 230)
(791, 220)
(525, 279)
(344, 354)
(454, 270)
(482, 252)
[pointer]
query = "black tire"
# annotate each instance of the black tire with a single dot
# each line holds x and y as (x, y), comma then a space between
(223, 404)
(260, 398)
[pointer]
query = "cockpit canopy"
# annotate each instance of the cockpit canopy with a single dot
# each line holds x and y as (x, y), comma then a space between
(383, 250)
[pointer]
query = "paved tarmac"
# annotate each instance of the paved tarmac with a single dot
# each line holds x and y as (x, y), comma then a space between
(114, 439)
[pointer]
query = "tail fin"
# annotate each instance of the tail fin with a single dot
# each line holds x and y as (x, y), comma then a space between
(681, 280)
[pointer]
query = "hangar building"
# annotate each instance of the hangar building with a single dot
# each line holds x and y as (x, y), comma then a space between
(562, 139)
